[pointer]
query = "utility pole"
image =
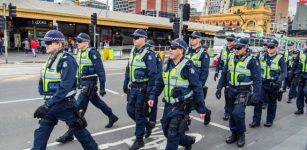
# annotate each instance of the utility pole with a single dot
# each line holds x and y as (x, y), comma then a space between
(5, 31)
(180, 16)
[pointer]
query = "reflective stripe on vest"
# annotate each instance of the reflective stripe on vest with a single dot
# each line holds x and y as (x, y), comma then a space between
(136, 62)
(51, 75)
(173, 79)
(266, 69)
(83, 60)
(303, 62)
(239, 70)
(195, 57)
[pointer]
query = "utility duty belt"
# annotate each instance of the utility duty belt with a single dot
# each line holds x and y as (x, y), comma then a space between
(267, 81)
(241, 87)
(137, 85)
(68, 96)
(89, 78)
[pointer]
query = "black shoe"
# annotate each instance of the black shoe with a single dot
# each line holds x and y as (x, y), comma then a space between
(189, 146)
(149, 126)
(231, 139)
(138, 143)
(264, 106)
(268, 124)
(299, 112)
(226, 117)
(207, 118)
(112, 120)
(254, 125)
(66, 137)
(241, 140)
(289, 100)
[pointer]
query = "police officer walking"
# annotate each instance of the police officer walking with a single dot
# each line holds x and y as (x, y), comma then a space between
(139, 84)
(90, 68)
(300, 66)
(58, 80)
(180, 83)
(224, 56)
(243, 72)
(201, 61)
(273, 72)
(288, 56)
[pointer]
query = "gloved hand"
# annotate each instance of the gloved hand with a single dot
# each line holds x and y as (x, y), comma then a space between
(216, 75)
(125, 89)
(254, 100)
(102, 92)
(218, 94)
(41, 111)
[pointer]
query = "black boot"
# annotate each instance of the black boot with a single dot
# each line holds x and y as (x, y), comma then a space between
(138, 143)
(226, 117)
(232, 138)
(66, 137)
(268, 124)
(207, 117)
(254, 125)
(189, 146)
(299, 112)
(264, 106)
(241, 140)
(112, 120)
(149, 126)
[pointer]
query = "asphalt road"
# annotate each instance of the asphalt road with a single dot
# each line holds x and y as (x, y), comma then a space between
(19, 99)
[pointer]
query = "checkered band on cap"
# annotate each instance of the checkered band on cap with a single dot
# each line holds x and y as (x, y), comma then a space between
(54, 35)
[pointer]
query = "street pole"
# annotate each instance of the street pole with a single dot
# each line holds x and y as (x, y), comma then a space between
(180, 16)
(94, 35)
(5, 31)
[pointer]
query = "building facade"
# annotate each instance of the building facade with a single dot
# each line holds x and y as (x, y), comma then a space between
(254, 17)
(94, 4)
(216, 6)
(120, 5)
(300, 19)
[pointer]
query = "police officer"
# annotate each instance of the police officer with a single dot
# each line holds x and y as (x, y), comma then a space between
(152, 114)
(241, 73)
(201, 60)
(300, 66)
(261, 54)
(180, 83)
(224, 55)
(288, 56)
(58, 81)
(273, 72)
(90, 67)
(139, 84)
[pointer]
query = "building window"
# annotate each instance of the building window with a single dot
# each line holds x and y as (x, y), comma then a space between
(251, 24)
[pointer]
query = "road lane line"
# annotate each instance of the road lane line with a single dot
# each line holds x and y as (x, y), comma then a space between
(113, 92)
(21, 100)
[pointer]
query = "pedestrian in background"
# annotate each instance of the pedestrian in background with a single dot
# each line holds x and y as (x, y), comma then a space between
(26, 45)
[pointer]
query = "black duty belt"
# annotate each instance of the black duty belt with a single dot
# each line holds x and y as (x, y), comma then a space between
(138, 85)
(241, 87)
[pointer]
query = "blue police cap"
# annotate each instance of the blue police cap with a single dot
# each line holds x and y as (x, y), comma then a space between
(290, 43)
(179, 43)
(196, 34)
(231, 37)
(242, 42)
(139, 33)
(150, 43)
(83, 37)
(53, 35)
(273, 42)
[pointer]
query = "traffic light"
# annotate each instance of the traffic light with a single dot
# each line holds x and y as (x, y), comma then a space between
(12, 11)
(94, 19)
(186, 12)
(185, 33)
(176, 25)
(2, 22)
(91, 29)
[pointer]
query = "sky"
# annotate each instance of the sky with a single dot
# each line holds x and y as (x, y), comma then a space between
(199, 4)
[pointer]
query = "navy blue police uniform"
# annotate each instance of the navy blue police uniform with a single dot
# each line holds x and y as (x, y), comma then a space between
(240, 74)
(139, 85)
(58, 81)
(274, 71)
(175, 112)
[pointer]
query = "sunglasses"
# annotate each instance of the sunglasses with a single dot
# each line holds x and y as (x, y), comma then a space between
(271, 46)
(79, 41)
(48, 42)
(193, 38)
(174, 47)
(136, 37)
(238, 48)
(230, 40)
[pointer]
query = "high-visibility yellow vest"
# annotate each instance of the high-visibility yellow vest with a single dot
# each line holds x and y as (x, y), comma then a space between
(266, 70)
(303, 62)
(136, 63)
(239, 73)
(195, 57)
(172, 79)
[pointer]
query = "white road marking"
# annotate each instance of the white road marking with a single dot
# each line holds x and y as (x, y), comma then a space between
(21, 100)
(113, 92)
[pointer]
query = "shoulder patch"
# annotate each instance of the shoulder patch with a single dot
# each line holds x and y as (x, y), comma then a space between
(192, 70)
(94, 57)
(64, 64)
(149, 57)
